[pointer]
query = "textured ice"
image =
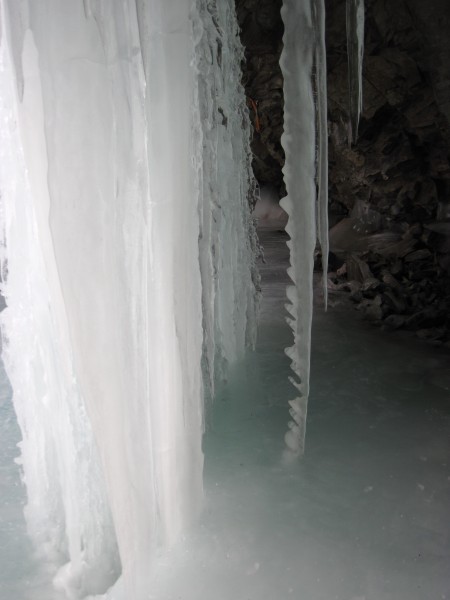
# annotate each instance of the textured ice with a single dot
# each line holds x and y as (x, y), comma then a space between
(100, 174)
(349, 521)
(303, 63)
(355, 53)
(226, 186)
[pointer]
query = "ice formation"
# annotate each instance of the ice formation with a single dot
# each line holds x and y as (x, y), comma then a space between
(116, 159)
(229, 276)
(355, 52)
(321, 103)
(305, 173)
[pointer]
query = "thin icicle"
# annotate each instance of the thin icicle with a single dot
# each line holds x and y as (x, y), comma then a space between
(299, 142)
(355, 52)
(322, 139)
(303, 63)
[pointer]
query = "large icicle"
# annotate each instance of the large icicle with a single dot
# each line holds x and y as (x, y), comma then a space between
(68, 513)
(299, 171)
(355, 53)
(305, 142)
(226, 184)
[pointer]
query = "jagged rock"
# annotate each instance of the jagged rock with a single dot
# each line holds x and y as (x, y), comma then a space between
(357, 269)
(400, 249)
(395, 321)
(399, 168)
(261, 33)
(422, 254)
(372, 309)
(395, 302)
(390, 280)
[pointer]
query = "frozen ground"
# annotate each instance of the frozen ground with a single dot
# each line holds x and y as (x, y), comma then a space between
(365, 515)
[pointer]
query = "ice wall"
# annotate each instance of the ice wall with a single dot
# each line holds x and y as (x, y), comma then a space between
(355, 53)
(227, 234)
(305, 173)
(115, 162)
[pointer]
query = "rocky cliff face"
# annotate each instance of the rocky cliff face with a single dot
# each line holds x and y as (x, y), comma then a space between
(393, 185)
(261, 35)
(389, 192)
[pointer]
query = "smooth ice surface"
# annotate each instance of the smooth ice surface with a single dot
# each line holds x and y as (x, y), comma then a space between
(299, 142)
(355, 53)
(105, 185)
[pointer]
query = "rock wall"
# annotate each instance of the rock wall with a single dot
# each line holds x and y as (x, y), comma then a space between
(389, 192)
(261, 35)
(393, 185)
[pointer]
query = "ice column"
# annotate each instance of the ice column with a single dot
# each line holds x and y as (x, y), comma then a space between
(355, 53)
(226, 186)
(305, 173)
(103, 328)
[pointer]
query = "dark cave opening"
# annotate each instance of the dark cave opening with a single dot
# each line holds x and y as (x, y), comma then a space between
(388, 192)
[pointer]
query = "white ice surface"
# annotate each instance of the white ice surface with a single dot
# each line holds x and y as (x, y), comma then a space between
(321, 92)
(363, 515)
(103, 325)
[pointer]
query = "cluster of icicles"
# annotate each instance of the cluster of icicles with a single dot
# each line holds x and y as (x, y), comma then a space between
(128, 257)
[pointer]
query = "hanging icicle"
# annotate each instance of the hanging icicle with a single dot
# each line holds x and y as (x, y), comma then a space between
(355, 52)
(303, 63)
(321, 138)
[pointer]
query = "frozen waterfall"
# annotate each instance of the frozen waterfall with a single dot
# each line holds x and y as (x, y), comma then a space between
(127, 255)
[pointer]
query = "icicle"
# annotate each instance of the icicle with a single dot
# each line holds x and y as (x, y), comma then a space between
(355, 52)
(104, 324)
(299, 142)
(305, 141)
(322, 140)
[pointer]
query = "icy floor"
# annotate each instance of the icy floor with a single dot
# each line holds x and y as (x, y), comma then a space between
(365, 515)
